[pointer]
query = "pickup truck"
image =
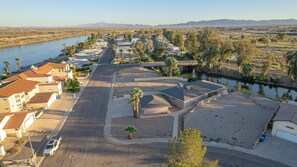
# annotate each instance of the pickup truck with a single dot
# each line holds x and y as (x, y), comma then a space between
(52, 146)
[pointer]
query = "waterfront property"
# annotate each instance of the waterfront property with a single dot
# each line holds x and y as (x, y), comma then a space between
(285, 122)
(154, 104)
(191, 93)
(236, 119)
(15, 95)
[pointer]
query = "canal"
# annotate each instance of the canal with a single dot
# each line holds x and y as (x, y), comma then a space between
(34, 53)
(254, 88)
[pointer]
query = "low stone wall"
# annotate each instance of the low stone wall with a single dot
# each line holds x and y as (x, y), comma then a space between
(159, 78)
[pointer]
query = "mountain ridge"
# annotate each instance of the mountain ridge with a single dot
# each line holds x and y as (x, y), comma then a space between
(204, 23)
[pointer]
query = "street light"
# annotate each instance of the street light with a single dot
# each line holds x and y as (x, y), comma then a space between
(34, 157)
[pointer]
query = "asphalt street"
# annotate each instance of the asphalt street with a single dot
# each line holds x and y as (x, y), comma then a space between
(85, 146)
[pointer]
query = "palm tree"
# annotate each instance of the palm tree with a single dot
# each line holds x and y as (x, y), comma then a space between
(18, 60)
(136, 95)
(121, 50)
(6, 68)
(131, 130)
(64, 51)
(130, 57)
(171, 63)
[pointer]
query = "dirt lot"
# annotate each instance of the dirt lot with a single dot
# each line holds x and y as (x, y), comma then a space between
(156, 127)
(236, 119)
(125, 81)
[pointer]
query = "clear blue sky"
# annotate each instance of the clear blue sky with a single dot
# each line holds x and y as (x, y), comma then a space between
(75, 12)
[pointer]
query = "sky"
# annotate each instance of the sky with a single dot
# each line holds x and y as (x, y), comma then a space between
(48, 13)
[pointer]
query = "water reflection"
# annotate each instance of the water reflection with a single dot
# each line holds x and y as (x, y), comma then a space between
(260, 89)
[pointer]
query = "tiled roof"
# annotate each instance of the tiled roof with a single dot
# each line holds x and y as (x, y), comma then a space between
(17, 86)
(16, 120)
(286, 112)
(50, 66)
(27, 74)
(60, 78)
(41, 98)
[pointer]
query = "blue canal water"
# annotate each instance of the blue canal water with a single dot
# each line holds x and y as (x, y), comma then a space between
(34, 53)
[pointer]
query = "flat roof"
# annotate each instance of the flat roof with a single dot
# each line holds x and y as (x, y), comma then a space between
(286, 112)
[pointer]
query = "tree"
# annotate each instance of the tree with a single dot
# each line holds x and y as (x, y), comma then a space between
(191, 43)
(18, 61)
(64, 50)
(245, 52)
(291, 60)
(226, 51)
(71, 83)
(131, 130)
(266, 65)
(179, 41)
(187, 150)
(247, 70)
(210, 46)
(293, 41)
(158, 52)
(136, 95)
(130, 56)
(281, 36)
(171, 63)
(72, 50)
(6, 68)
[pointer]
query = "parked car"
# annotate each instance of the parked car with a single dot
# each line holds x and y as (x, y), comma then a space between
(52, 146)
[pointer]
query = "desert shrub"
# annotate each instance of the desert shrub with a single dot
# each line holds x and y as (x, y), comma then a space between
(73, 90)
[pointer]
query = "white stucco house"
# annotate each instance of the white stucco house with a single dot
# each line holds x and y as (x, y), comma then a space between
(285, 122)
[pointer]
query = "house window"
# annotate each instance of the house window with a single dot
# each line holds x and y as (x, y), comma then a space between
(289, 127)
(18, 101)
(6, 108)
(22, 96)
(17, 96)
(26, 93)
(4, 99)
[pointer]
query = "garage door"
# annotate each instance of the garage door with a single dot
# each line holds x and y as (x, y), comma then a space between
(286, 135)
(29, 122)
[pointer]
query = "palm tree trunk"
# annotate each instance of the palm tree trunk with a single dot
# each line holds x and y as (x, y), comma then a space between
(136, 112)
(19, 67)
(170, 72)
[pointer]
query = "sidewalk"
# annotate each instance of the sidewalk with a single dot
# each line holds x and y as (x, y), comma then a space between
(53, 119)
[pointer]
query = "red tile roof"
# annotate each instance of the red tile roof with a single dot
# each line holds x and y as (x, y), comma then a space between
(16, 120)
(17, 86)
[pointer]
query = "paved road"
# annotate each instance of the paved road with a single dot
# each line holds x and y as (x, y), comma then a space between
(84, 144)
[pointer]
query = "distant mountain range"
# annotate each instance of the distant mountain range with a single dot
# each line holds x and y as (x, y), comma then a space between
(209, 23)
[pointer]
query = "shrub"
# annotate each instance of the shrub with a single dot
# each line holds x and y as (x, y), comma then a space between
(20, 141)
(13, 150)
(73, 90)
(192, 79)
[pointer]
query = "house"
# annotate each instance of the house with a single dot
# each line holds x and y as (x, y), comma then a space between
(33, 75)
(285, 122)
(185, 95)
(3, 121)
(154, 104)
(42, 100)
(56, 69)
(43, 74)
(54, 87)
(18, 123)
(15, 95)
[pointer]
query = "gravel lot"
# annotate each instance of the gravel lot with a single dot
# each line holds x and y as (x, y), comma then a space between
(155, 127)
(236, 119)
(125, 81)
